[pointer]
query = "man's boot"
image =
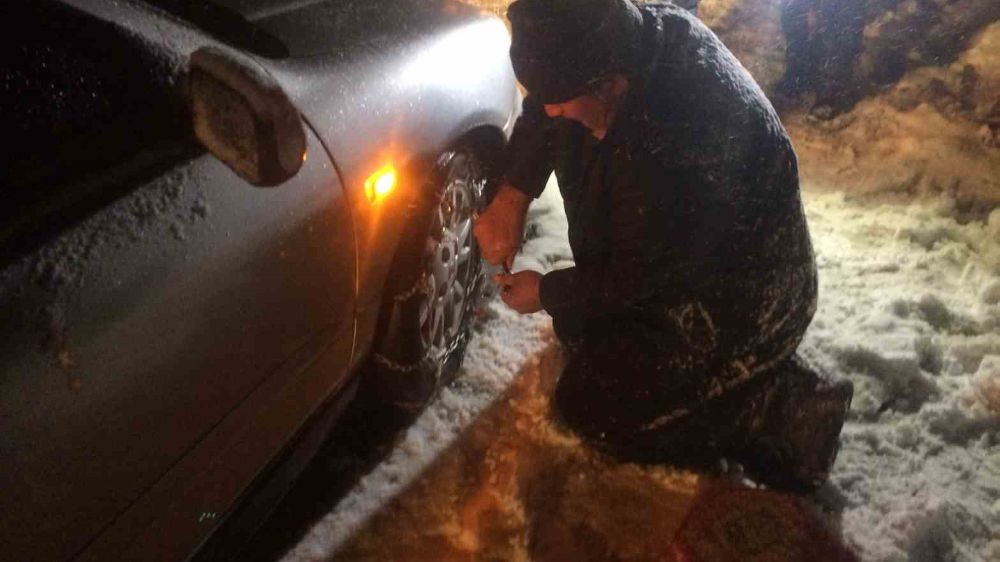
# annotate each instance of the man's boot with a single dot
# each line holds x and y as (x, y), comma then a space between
(798, 442)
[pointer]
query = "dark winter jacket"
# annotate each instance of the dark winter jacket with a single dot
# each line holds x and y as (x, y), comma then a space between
(688, 212)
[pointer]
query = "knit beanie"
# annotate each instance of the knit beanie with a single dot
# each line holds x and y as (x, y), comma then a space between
(558, 47)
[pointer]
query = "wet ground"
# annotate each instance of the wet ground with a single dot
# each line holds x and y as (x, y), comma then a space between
(513, 487)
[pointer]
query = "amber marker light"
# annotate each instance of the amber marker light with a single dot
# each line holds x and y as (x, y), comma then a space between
(380, 184)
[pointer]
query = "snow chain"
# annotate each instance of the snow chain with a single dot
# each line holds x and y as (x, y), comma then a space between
(420, 286)
(394, 366)
(401, 368)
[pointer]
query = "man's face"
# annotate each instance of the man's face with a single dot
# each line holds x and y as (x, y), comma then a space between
(596, 109)
(591, 111)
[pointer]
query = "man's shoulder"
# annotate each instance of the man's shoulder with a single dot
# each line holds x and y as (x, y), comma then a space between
(686, 66)
(662, 6)
(670, 12)
(674, 39)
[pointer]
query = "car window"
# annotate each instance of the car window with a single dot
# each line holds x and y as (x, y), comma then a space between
(78, 97)
(229, 22)
(312, 27)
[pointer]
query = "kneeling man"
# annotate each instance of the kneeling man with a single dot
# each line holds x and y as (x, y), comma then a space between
(695, 277)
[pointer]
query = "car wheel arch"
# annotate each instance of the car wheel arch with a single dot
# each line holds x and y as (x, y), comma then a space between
(488, 144)
(484, 146)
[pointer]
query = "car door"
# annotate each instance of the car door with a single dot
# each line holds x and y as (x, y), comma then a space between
(165, 327)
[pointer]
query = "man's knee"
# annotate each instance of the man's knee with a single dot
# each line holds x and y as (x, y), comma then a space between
(615, 384)
(579, 407)
(569, 328)
(578, 401)
(613, 431)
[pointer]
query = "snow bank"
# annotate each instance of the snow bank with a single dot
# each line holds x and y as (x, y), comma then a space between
(933, 134)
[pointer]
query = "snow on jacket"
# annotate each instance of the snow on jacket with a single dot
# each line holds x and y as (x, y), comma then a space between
(688, 212)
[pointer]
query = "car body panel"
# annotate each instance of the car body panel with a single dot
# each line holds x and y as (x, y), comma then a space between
(174, 517)
(135, 335)
(153, 343)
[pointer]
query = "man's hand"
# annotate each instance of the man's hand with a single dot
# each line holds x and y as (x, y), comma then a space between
(498, 230)
(520, 290)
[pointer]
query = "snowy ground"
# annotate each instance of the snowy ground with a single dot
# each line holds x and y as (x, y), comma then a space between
(909, 310)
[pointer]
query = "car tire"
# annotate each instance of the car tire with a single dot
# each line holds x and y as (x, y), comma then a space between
(434, 287)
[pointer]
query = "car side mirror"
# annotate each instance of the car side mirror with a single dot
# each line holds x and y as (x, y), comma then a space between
(243, 117)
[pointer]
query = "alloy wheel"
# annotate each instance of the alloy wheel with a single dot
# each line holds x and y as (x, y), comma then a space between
(451, 275)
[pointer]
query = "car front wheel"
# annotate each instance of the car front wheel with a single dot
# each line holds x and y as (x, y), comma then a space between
(426, 320)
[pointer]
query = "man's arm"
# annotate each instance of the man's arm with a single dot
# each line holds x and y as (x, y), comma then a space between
(662, 236)
(501, 226)
(529, 155)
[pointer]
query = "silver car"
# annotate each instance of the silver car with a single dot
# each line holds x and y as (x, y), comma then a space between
(219, 216)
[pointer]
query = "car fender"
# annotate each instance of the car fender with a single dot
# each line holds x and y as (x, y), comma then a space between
(402, 105)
